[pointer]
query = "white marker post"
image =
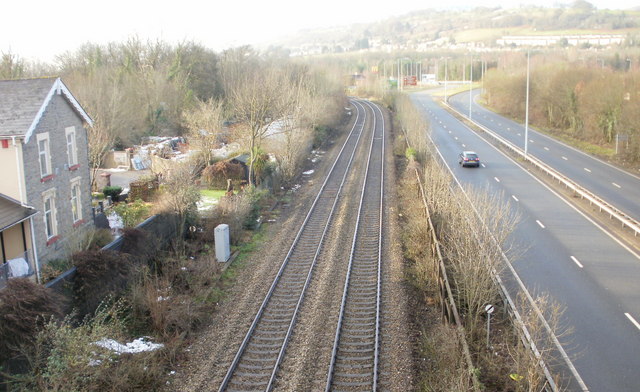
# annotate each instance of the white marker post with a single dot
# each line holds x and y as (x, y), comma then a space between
(489, 309)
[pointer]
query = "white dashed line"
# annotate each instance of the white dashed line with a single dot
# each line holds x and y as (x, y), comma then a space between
(497, 179)
(539, 223)
(482, 164)
(449, 131)
(616, 185)
(587, 170)
(464, 146)
(577, 262)
(632, 320)
(455, 137)
(530, 141)
(546, 148)
(514, 198)
(508, 128)
(519, 134)
(565, 158)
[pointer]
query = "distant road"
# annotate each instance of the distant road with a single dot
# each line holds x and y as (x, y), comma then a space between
(617, 187)
(565, 255)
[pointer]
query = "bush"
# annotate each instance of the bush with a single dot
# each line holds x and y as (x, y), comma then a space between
(24, 308)
(99, 275)
(112, 191)
(320, 135)
(216, 175)
(139, 244)
(411, 154)
(53, 268)
(133, 213)
(66, 358)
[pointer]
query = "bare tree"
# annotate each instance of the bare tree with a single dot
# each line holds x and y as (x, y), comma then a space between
(253, 91)
(179, 197)
(204, 125)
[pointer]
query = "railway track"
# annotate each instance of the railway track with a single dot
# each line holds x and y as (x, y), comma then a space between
(355, 356)
(260, 354)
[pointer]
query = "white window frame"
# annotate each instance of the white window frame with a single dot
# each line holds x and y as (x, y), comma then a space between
(72, 149)
(52, 213)
(44, 154)
(76, 200)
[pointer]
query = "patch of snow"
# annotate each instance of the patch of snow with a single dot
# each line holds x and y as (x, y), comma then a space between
(206, 203)
(308, 172)
(115, 223)
(161, 298)
(137, 346)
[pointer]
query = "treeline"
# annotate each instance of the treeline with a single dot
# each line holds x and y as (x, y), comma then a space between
(586, 103)
(141, 88)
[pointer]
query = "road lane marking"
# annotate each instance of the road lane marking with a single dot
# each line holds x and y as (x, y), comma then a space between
(539, 223)
(616, 185)
(508, 128)
(577, 262)
(464, 146)
(565, 158)
(497, 179)
(444, 126)
(449, 131)
(630, 317)
(546, 148)
(455, 137)
(519, 134)
(482, 165)
(515, 198)
(530, 141)
(587, 170)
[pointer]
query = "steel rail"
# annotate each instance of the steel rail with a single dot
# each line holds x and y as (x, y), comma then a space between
(333, 194)
(358, 366)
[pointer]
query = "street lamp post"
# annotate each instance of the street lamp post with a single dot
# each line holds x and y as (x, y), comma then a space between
(445, 80)
(470, 84)
(526, 113)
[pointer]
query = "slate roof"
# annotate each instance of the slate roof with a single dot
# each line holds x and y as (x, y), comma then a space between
(22, 103)
(12, 212)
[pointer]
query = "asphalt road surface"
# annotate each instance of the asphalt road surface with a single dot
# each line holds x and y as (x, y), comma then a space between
(565, 255)
(617, 187)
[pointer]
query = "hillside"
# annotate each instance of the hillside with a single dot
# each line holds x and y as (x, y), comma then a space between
(479, 27)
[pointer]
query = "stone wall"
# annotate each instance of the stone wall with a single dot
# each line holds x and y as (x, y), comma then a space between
(58, 115)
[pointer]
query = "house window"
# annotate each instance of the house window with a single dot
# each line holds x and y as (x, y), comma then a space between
(44, 155)
(49, 199)
(76, 205)
(72, 151)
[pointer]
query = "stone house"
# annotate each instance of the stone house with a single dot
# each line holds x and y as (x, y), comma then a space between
(45, 160)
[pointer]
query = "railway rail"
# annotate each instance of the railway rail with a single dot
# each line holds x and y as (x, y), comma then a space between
(355, 356)
(256, 363)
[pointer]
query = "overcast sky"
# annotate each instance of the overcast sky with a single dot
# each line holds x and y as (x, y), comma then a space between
(37, 29)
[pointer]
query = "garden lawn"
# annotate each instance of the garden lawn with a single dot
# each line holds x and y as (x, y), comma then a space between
(209, 198)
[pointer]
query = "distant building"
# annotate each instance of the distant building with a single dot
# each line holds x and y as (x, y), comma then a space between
(551, 40)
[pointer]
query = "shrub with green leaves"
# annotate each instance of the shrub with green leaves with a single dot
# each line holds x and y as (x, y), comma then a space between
(411, 154)
(132, 213)
(112, 191)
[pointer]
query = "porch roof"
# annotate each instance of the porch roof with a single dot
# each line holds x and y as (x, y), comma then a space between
(13, 212)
